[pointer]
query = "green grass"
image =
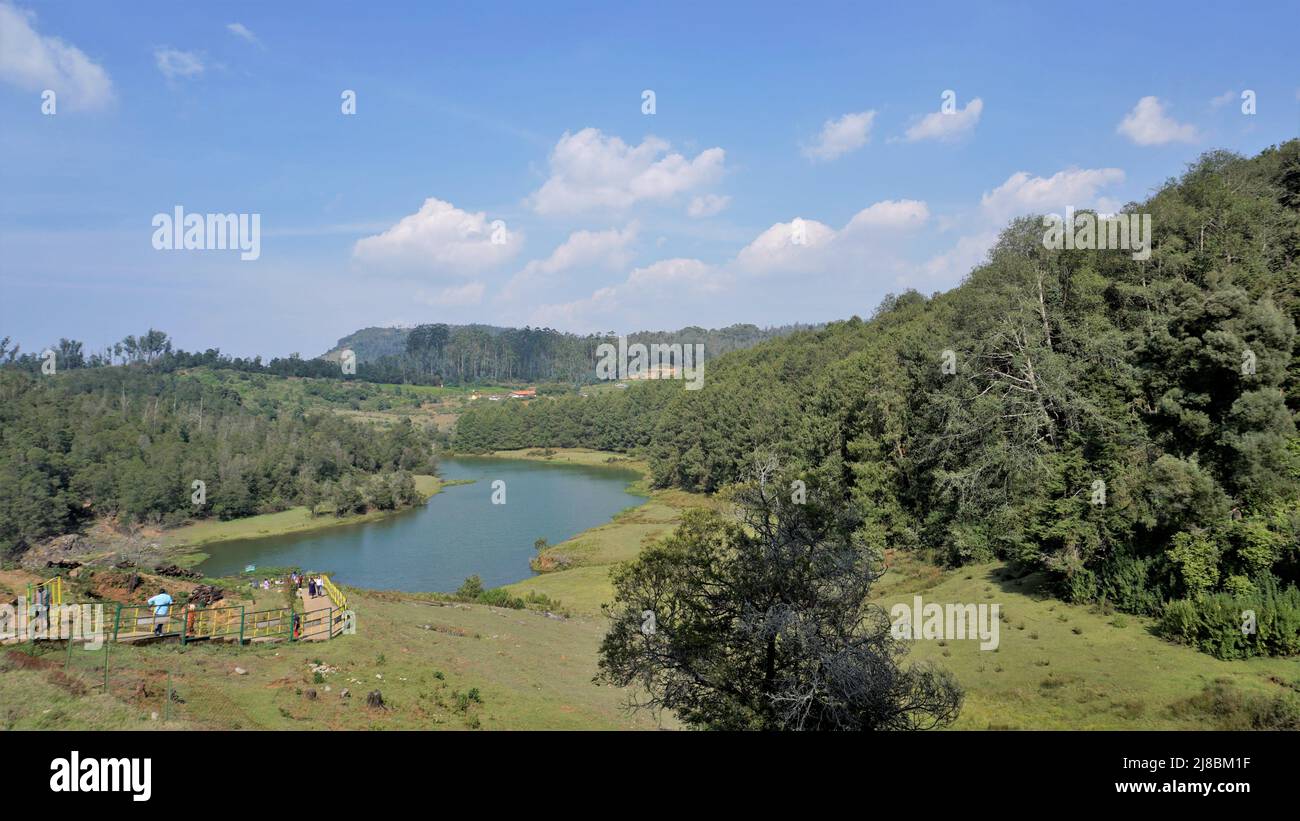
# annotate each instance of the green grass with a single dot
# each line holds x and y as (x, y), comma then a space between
(1061, 666)
(531, 672)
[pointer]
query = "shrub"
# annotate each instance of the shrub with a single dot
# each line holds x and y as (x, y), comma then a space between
(1216, 623)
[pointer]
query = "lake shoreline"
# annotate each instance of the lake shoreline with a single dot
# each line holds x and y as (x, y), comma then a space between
(185, 542)
(450, 530)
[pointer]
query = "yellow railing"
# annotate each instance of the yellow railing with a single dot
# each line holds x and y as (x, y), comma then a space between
(214, 623)
(336, 595)
(54, 585)
(268, 623)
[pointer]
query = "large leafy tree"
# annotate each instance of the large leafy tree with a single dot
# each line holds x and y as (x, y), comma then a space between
(761, 620)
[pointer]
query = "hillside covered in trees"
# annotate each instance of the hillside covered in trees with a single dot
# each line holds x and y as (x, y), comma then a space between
(128, 442)
(1128, 425)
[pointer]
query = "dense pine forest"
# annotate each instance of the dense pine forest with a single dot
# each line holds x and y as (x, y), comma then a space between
(128, 442)
(1128, 425)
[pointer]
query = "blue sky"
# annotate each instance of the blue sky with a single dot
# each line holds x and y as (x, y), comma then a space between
(532, 114)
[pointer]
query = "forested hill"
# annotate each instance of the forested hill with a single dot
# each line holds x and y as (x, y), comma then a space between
(485, 353)
(1127, 424)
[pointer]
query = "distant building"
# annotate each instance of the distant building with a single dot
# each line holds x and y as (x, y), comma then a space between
(526, 393)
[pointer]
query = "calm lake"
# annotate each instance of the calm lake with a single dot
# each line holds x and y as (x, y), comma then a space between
(457, 534)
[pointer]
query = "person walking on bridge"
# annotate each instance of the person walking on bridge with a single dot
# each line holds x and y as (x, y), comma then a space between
(161, 603)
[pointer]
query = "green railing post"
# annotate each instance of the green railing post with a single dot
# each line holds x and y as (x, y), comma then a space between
(241, 625)
(117, 618)
(106, 646)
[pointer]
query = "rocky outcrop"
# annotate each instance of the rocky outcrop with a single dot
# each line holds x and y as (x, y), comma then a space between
(57, 552)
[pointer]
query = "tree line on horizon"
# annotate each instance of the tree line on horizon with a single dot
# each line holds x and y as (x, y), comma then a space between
(433, 354)
(1127, 426)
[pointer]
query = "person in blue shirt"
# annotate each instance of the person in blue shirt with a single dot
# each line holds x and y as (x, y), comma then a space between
(161, 604)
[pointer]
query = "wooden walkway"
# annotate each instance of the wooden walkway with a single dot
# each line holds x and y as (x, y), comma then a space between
(323, 617)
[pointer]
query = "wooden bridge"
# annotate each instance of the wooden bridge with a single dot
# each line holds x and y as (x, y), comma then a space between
(322, 618)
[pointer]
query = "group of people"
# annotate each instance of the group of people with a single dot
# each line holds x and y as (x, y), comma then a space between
(315, 584)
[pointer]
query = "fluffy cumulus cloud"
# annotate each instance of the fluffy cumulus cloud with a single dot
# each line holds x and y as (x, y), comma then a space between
(839, 137)
(36, 62)
(174, 63)
(673, 292)
(946, 126)
(808, 246)
(439, 239)
(1149, 124)
(590, 171)
(1023, 193)
(606, 250)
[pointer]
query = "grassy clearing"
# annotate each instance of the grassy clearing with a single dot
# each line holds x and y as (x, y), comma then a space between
(294, 520)
(1061, 666)
(452, 666)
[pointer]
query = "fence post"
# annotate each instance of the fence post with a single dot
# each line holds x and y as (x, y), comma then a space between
(117, 618)
(167, 704)
(241, 625)
(106, 646)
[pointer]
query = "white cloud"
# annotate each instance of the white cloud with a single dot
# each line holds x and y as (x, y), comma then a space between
(839, 137)
(776, 250)
(471, 293)
(890, 214)
(946, 127)
(35, 62)
(604, 249)
(243, 32)
(707, 205)
(439, 238)
(590, 171)
(175, 63)
(1148, 124)
(1024, 194)
(825, 250)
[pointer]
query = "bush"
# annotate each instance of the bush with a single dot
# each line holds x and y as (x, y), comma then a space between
(1234, 710)
(470, 589)
(1216, 623)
